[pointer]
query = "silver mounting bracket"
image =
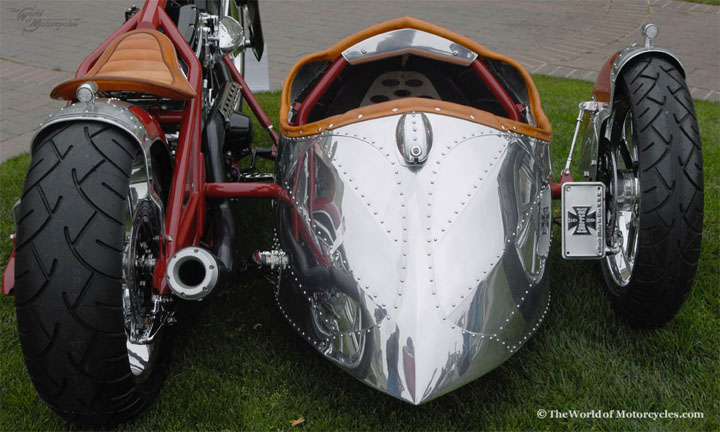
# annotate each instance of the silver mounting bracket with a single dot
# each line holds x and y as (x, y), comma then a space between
(589, 106)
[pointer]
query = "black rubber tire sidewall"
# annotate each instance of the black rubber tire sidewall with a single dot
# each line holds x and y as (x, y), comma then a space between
(671, 183)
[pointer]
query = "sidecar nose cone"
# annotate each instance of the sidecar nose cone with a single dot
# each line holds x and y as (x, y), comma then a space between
(436, 362)
(415, 278)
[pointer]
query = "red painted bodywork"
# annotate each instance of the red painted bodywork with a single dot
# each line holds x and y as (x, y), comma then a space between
(9, 276)
(601, 91)
(151, 124)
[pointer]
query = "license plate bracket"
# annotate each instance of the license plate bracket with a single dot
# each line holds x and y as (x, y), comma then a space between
(583, 220)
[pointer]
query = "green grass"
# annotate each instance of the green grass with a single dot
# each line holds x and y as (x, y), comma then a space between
(228, 372)
(710, 2)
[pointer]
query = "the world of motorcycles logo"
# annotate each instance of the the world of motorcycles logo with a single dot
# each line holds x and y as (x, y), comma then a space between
(31, 18)
(581, 221)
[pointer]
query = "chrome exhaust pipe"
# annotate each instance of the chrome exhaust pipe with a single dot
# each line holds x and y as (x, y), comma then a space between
(193, 272)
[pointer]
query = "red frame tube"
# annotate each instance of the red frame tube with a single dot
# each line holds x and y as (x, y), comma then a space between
(247, 190)
(320, 88)
(172, 117)
(332, 73)
(252, 101)
(497, 90)
(150, 16)
(181, 219)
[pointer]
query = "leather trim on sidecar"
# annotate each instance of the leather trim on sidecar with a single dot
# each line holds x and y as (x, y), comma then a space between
(542, 131)
(142, 61)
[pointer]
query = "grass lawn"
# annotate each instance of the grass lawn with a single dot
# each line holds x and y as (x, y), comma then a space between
(710, 2)
(237, 365)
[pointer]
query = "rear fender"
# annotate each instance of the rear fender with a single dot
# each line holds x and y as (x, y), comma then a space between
(604, 92)
(605, 85)
(138, 124)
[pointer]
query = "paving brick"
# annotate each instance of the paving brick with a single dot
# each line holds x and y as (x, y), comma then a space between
(556, 37)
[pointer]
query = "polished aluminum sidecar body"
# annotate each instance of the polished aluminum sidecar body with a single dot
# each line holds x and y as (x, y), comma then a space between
(417, 226)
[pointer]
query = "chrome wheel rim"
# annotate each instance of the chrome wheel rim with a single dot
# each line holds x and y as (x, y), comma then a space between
(623, 209)
(144, 311)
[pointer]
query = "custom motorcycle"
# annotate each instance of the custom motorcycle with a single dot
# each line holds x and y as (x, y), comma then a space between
(412, 190)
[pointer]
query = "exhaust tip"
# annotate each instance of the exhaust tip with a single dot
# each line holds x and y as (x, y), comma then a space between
(192, 273)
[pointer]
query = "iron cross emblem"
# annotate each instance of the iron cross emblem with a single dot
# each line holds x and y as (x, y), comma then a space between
(581, 221)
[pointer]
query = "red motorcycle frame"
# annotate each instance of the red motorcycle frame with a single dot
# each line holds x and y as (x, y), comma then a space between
(186, 208)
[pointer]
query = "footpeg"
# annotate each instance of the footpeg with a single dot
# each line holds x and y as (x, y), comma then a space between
(583, 220)
(274, 259)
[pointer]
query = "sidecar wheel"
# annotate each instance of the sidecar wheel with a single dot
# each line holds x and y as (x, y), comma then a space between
(653, 169)
(71, 242)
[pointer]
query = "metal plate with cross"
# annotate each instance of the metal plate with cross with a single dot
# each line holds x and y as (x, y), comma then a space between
(583, 220)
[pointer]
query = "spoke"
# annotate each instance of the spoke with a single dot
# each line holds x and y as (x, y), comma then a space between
(626, 154)
(626, 140)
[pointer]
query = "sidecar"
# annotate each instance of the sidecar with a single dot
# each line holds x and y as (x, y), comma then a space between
(418, 167)
(418, 224)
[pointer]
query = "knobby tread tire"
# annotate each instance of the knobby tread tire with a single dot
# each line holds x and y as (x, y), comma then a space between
(671, 182)
(69, 255)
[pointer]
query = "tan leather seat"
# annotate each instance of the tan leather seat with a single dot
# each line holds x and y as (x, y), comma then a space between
(141, 61)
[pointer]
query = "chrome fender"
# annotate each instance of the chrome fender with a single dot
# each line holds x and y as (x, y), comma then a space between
(415, 278)
(139, 125)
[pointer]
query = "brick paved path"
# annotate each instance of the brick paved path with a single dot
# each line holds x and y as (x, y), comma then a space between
(41, 43)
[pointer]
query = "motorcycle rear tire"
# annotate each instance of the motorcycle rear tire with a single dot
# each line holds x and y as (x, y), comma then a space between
(670, 172)
(69, 259)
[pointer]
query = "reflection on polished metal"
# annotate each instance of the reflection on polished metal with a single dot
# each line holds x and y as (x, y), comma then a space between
(416, 279)
(590, 145)
(85, 92)
(624, 211)
(139, 356)
(230, 34)
(109, 111)
(406, 41)
(650, 31)
(414, 137)
(144, 312)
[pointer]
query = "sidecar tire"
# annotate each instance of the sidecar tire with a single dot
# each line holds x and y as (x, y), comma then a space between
(68, 297)
(666, 134)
